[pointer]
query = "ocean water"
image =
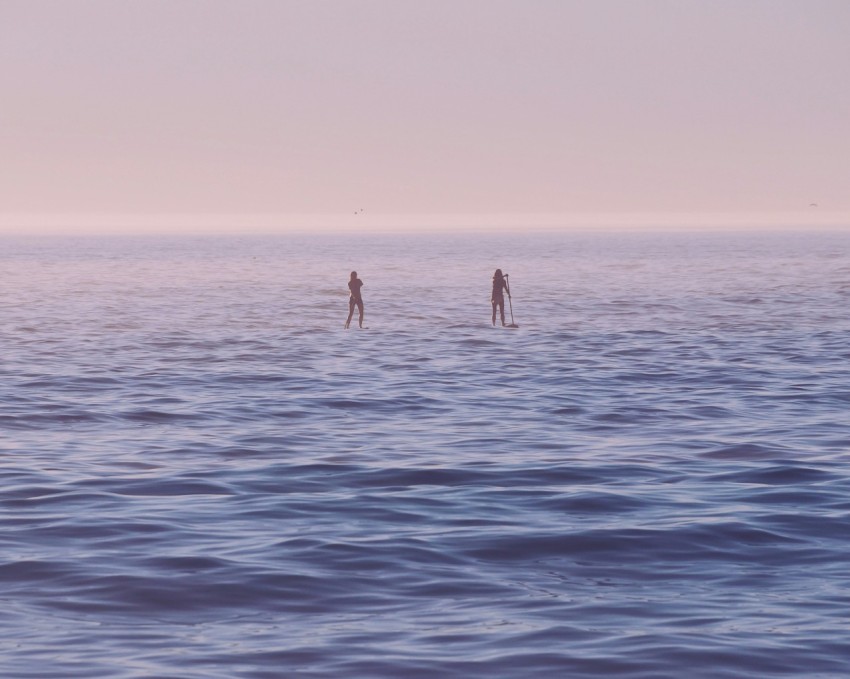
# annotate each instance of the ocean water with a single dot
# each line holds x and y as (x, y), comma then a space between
(203, 476)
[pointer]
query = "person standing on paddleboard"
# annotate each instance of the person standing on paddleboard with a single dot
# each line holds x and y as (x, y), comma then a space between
(354, 299)
(500, 286)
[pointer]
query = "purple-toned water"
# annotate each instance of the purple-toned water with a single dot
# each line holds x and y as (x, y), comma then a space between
(205, 477)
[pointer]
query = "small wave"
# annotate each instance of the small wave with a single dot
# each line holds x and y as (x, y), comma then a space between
(37, 421)
(777, 476)
(168, 488)
(688, 544)
(146, 416)
(30, 570)
(746, 451)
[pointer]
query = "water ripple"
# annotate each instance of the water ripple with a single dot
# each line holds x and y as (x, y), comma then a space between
(203, 476)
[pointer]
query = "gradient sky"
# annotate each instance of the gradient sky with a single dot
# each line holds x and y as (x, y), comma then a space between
(413, 106)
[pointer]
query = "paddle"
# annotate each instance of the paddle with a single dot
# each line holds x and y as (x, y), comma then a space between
(510, 304)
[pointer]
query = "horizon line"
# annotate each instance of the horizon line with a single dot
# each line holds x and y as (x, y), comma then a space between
(360, 221)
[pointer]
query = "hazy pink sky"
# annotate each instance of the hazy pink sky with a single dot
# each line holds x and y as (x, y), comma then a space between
(412, 106)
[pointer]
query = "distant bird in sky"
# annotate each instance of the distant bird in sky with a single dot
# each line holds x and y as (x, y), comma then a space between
(813, 204)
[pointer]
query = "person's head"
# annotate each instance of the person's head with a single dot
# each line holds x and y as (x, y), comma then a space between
(498, 273)
(353, 275)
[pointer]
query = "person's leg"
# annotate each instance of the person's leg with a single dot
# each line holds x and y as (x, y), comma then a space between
(502, 310)
(494, 311)
(350, 312)
(360, 320)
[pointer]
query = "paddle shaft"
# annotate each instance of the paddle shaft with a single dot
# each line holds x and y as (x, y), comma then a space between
(510, 303)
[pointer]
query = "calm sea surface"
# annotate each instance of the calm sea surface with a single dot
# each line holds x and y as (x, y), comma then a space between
(203, 476)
